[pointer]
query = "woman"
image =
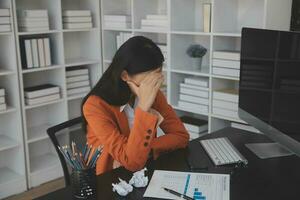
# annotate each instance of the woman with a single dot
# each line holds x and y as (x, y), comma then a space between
(124, 109)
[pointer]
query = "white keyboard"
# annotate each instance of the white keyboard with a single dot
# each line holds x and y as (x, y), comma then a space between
(222, 152)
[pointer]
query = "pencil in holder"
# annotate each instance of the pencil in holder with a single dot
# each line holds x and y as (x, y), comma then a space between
(84, 183)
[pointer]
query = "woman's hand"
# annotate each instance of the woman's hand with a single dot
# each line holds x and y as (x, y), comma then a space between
(147, 90)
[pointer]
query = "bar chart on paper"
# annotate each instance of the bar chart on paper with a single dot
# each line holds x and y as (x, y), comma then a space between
(199, 186)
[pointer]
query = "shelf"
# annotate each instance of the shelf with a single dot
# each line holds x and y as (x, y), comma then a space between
(225, 77)
(44, 104)
(79, 30)
(4, 72)
(78, 96)
(6, 33)
(24, 71)
(189, 110)
(72, 62)
(228, 118)
(191, 72)
(43, 162)
(39, 32)
(37, 133)
(8, 110)
(8, 175)
(228, 34)
(7, 143)
(190, 33)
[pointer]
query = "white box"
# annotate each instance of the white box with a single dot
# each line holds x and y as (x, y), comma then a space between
(233, 64)
(77, 19)
(225, 113)
(40, 90)
(5, 28)
(73, 79)
(4, 20)
(192, 106)
(4, 12)
(77, 13)
(226, 72)
(78, 90)
(225, 105)
(33, 13)
(193, 92)
(43, 99)
(77, 72)
(78, 25)
(227, 55)
(202, 82)
(78, 84)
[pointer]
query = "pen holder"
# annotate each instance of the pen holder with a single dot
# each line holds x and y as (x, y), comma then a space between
(84, 183)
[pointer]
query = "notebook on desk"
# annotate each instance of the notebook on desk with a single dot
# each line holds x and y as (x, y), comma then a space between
(202, 186)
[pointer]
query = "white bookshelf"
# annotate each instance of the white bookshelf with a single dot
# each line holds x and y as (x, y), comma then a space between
(12, 160)
(69, 48)
(185, 27)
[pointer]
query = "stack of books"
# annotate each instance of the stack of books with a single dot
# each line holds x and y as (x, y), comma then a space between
(33, 20)
(155, 22)
(164, 50)
(5, 25)
(77, 19)
(41, 94)
(35, 53)
(226, 63)
(226, 103)
(196, 127)
(2, 99)
(193, 94)
(78, 81)
(117, 21)
(122, 37)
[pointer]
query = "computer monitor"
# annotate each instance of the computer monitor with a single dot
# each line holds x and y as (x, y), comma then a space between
(269, 89)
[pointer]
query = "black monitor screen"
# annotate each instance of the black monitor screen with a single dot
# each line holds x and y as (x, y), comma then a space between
(270, 78)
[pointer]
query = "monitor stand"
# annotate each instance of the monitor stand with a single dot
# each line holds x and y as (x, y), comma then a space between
(268, 150)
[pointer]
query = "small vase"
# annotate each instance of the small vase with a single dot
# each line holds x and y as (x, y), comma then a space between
(197, 63)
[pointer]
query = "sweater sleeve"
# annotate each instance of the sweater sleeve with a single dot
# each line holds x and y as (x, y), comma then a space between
(176, 136)
(132, 152)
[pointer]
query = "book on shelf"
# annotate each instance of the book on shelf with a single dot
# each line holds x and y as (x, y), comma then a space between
(73, 79)
(193, 99)
(4, 12)
(2, 92)
(77, 13)
(26, 55)
(33, 24)
(42, 99)
(225, 112)
(151, 22)
(35, 53)
(76, 72)
(78, 90)
(120, 25)
(3, 106)
(42, 13)
(226, 72)
(34, 29)
(4, 20)
(77, 19)
(2, 99)
(227, 55)
(226, 95)
(41, 90)
(47, 51)
(5, 28)
(68, 25)
(225, 104)
(77, 84)
(193, 106)
(202, 82)
(193, 87)
(244, 127)
(232, 64)
(117, 18)
(206, 17)
(194, 124)
(193, 92)
(40, 44)
(157, 17)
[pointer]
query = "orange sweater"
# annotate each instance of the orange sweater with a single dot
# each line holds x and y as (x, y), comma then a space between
(109, 127)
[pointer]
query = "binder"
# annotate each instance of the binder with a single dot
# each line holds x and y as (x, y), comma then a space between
(41, 52)
(47, 52)
(35, 54)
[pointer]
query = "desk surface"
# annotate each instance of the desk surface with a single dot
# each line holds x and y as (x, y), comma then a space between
(276, 178)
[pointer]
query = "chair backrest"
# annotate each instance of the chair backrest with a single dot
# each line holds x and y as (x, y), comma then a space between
(72, 131)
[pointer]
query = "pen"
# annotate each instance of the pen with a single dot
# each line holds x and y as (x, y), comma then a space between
(183, 196)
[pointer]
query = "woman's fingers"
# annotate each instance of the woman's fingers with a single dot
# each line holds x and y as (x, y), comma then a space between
(134, 88)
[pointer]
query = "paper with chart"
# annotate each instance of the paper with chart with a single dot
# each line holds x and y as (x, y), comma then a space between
(202, 186)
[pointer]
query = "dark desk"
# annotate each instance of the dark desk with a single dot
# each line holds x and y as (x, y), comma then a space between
(277, 178)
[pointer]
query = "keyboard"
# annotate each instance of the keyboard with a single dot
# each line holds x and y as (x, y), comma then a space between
(222, 152)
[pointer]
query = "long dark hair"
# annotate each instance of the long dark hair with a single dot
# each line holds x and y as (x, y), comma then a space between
(138, 54)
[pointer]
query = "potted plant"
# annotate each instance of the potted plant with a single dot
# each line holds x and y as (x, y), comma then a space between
(196, 52)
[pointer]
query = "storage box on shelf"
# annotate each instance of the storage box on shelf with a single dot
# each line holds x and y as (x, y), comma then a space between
(78, 81)
(77, 19)
(5, 20)
(33, 20)
(196, 127)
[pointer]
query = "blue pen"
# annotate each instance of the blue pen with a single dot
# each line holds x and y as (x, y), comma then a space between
(94, 156)
(86, 156)
(95, 161)
(64, 155)
(84, 149)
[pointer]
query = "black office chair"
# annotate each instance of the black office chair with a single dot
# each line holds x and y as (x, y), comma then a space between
(73, 132)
